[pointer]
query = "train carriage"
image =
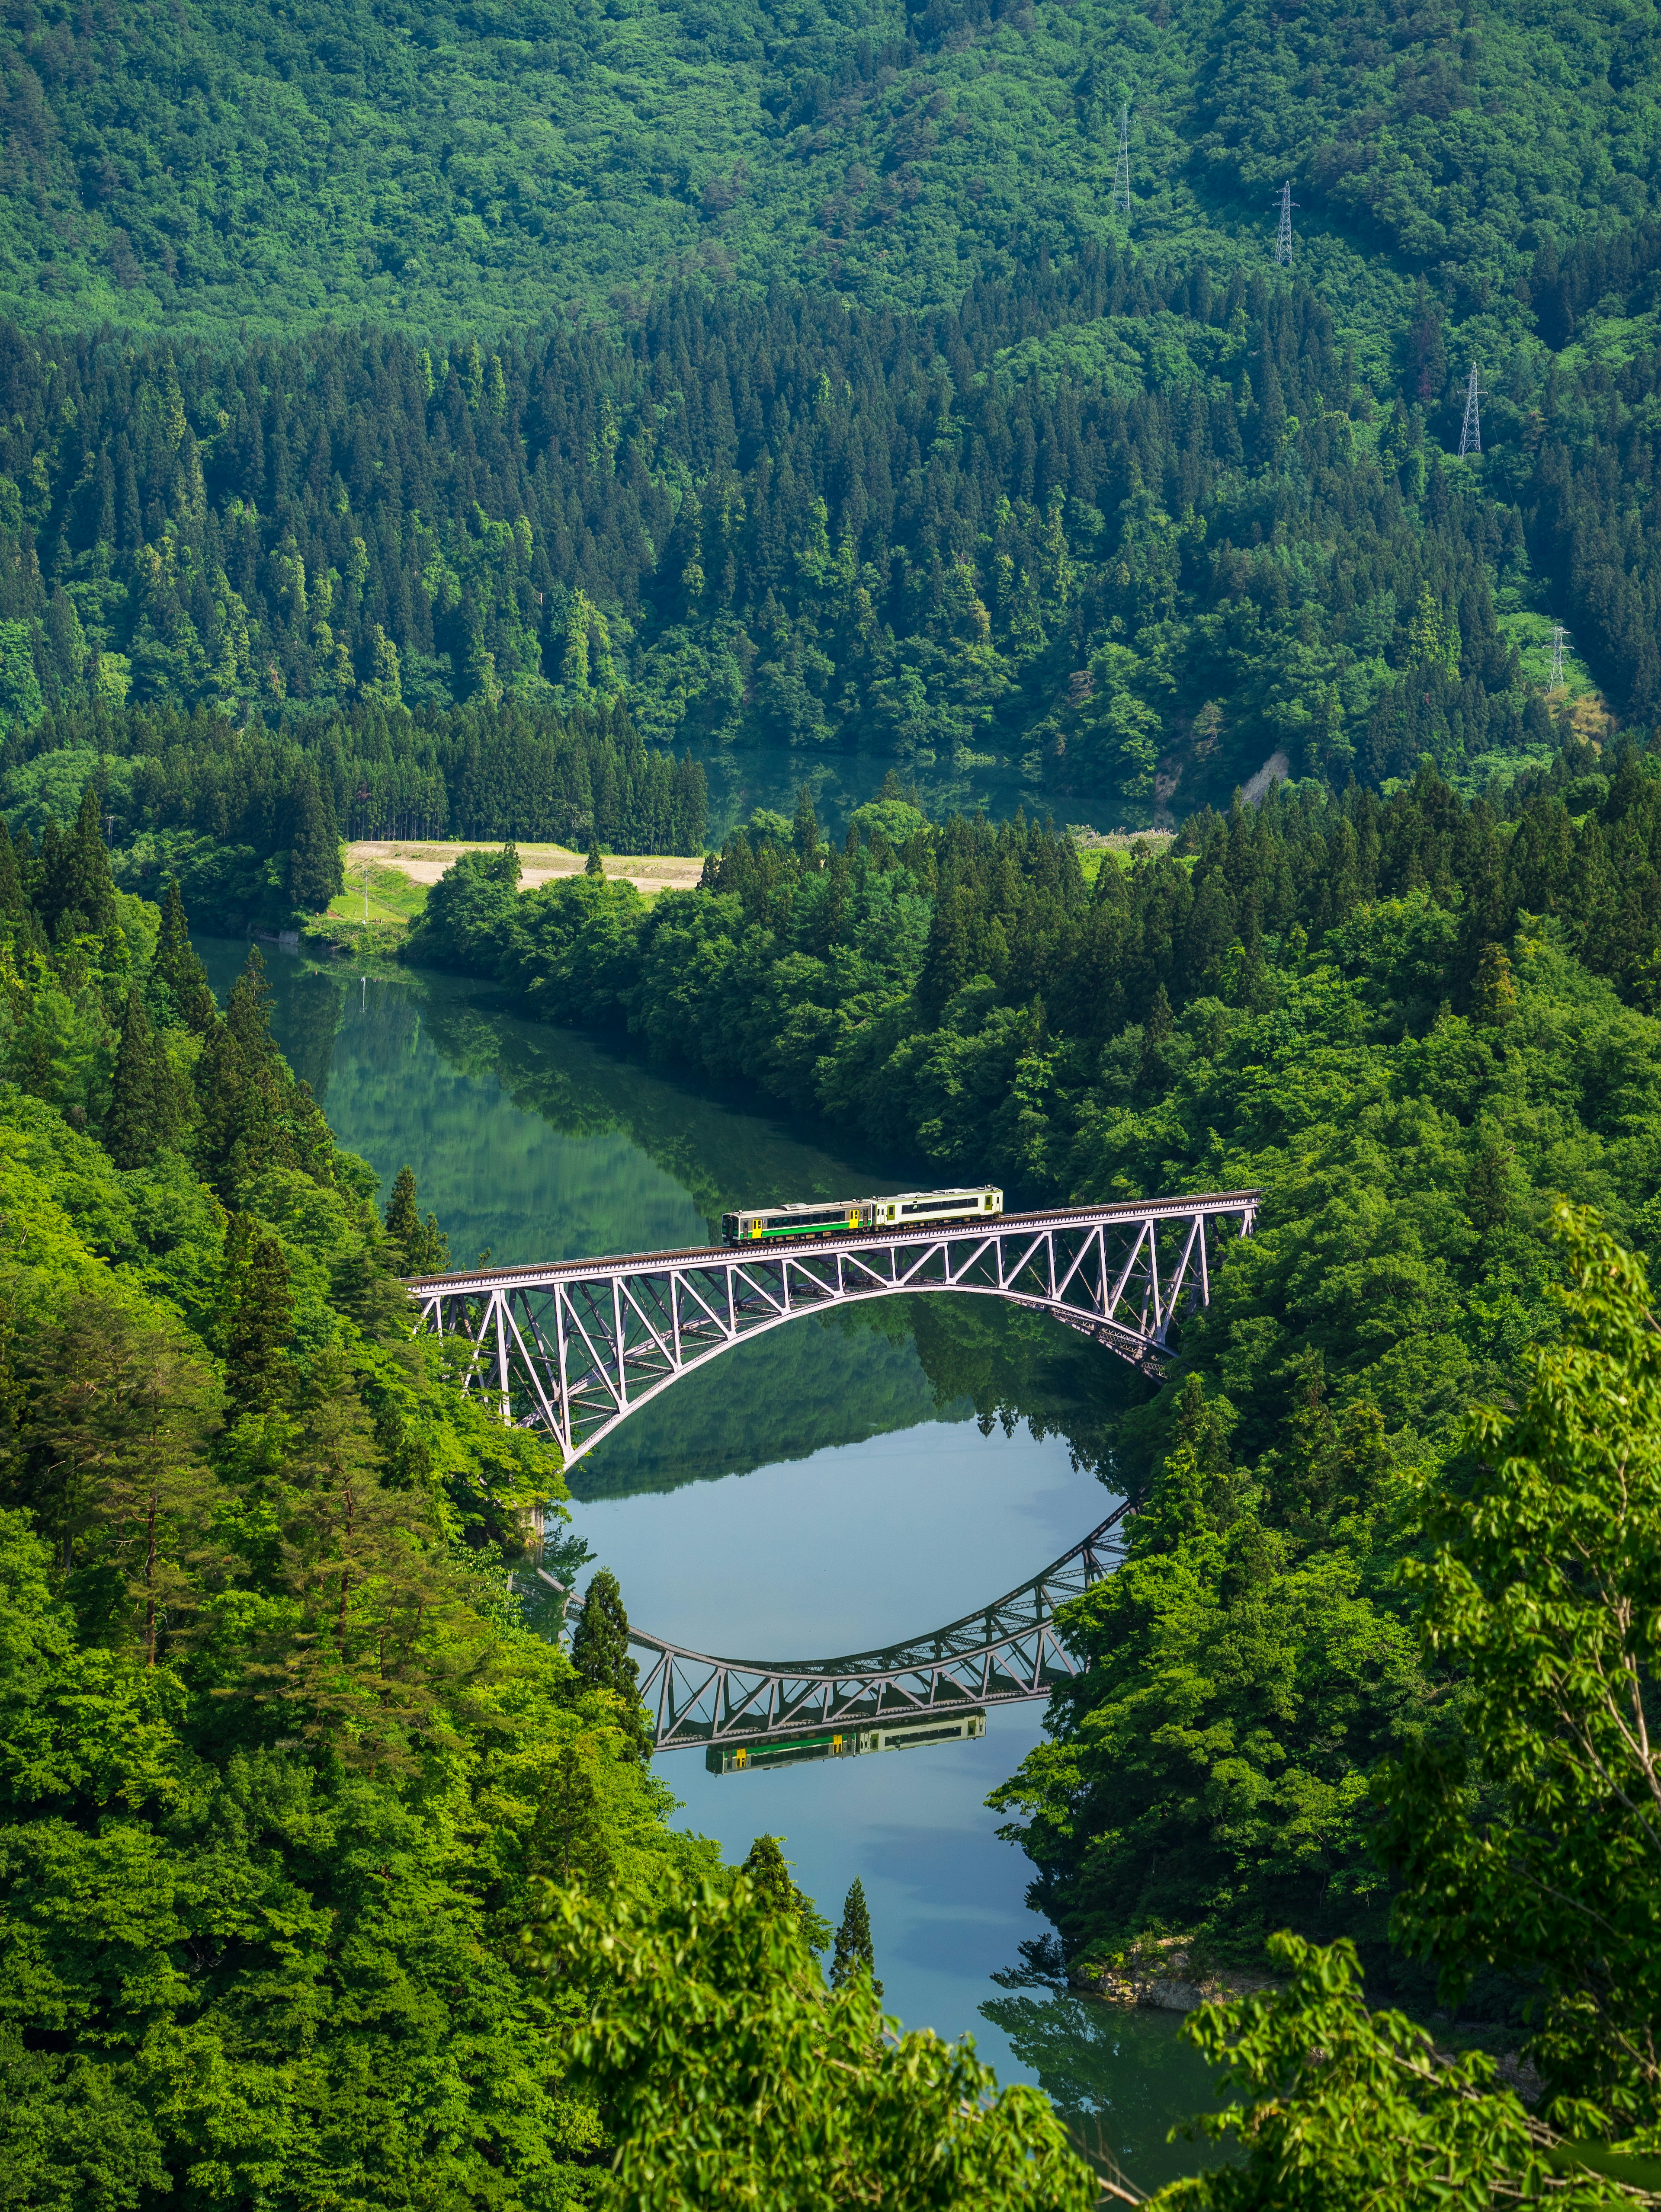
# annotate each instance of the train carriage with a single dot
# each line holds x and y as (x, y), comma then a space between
(841, 1217)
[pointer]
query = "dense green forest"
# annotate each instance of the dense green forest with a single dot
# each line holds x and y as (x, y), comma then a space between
(441, 161)
(1408, 1022)
(1416, 1025)
(431, 417)
(1136, 532)
(292, 1794)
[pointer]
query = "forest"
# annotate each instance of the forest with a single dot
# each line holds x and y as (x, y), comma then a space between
(1419, 1025)
(1135, 532)
(432, 418)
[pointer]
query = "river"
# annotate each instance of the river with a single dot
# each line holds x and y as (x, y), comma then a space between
(839, 1484)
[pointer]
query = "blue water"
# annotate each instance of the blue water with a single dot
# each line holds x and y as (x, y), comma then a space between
(824, 1489)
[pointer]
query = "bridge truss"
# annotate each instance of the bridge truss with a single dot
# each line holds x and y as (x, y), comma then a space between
(575, 1347)
(1006, 1652)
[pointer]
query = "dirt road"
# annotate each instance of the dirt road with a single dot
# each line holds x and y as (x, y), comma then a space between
(424, 862)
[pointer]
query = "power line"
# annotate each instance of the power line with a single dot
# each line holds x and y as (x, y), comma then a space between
(1283, 236)
(1558, 635)
(1121, 167)
(1470, 437)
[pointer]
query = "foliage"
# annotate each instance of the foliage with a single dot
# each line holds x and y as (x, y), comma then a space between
(855, 1954)
(1341, 2107)
(768, 1872)
(450, 178)
(1409, 1023)
(806, 529)
(600, 1655)
(244, 819)
(280, 1762)
(1525, 1841)
(728, 2070)
(1534, 1846)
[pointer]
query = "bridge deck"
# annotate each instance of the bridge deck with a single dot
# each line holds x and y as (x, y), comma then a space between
(892, 1232)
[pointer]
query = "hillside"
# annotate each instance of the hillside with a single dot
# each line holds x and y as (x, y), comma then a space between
(450, 165)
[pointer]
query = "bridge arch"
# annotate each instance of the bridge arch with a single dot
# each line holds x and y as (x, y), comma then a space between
(575, 1347)
(999, 1654)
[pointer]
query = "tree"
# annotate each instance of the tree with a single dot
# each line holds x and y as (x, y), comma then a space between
(732, 2077)
(1494, 995)
(420, 1244)
(805, 831)
(853, 1952)
(769, 1871)
(115, 1436)
(1155, 1070)
(593, 865)
(316, 873)
(177, 966)
(1339, 2107)
(1541, 1589)
(257, 1317)
(132, 1130)
(599, 1652)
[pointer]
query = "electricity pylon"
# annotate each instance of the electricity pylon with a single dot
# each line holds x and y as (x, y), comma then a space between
(1283, 236)
(1554, 683)
(1470, 437)
(1121, 167)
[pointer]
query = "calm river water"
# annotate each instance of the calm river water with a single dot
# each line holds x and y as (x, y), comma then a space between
(841, 1484)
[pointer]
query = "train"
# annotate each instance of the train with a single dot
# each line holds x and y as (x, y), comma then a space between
(836, 1217)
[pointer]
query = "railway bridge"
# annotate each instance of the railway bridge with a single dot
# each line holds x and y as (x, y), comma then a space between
(575, 1347)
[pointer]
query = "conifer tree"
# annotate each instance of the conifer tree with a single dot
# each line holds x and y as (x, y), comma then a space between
(805, 831)
(1494, 995)
(257, 1317)
(1156, 1039)
(853, 1949)
(599, 1652)
(118, 1412)
(421, 1245)
(593, 865)
(13, 902)
(178, 966)
(767, 1869)
(403, 1217)
(75, 874)
(248, 1010)
(130, 1127)
(316, 873)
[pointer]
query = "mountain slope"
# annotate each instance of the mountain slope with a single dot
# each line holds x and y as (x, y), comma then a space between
(446, 166)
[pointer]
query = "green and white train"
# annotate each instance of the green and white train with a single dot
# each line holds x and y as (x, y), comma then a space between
(836, 1217)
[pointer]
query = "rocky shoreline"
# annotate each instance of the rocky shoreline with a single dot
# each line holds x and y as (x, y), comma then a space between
(1161, 1974)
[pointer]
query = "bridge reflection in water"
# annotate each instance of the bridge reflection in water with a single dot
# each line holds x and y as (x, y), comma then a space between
(936, 1685)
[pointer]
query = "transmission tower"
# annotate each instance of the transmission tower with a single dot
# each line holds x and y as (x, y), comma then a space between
(1555, 681)
(1283, 236)
(1470, 437)
(1121, 167)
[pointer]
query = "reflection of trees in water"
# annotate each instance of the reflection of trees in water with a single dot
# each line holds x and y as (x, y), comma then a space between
(311, 1008)
(721, 1152)
(865, 1371)
(1015, 1367)
(1116, 2074)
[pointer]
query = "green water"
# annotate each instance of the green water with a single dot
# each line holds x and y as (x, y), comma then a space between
(834, 1485)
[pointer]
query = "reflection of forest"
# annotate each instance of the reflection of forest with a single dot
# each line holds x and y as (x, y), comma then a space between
(540, 1144)
(1119, 2077)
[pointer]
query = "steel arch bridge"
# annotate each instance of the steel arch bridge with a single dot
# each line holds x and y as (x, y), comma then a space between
(574, 1348)
(1006, 1652)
